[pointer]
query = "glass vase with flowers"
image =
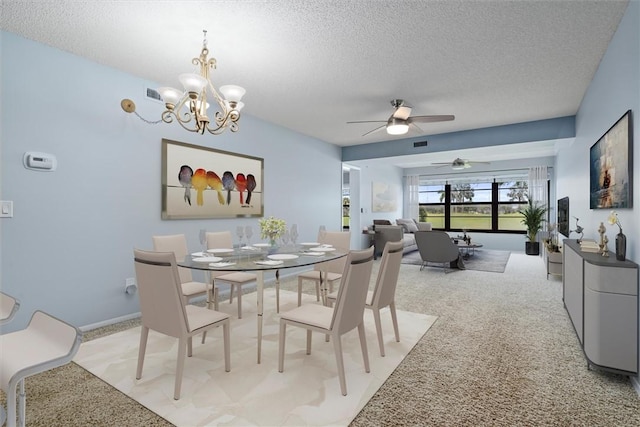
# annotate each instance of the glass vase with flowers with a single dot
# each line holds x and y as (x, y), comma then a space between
(271, 228)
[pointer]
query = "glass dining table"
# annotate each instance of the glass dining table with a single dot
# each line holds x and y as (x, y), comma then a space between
(258, 260)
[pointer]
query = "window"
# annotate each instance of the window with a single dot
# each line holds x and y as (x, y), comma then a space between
(481, 204)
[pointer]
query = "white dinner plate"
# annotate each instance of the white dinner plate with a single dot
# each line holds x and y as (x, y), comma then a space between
(208, 259)
(282, 257)
(323, 249)
(261, 245)
(269, 262)
(310, 244)
(220, 251)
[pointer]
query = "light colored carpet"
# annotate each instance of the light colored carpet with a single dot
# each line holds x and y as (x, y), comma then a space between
(306, 393)
(480, 260)
(503, 353)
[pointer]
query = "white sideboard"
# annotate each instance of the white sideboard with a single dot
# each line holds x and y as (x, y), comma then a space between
(601, 297)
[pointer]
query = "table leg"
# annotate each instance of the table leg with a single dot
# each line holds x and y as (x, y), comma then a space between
(260, 291)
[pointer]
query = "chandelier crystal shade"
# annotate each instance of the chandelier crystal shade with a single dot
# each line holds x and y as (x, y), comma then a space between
(189, 107)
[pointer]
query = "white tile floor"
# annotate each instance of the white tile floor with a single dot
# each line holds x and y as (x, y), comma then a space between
(306, 393)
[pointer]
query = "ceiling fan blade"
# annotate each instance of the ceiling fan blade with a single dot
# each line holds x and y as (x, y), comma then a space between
(368, 121)
(402, 112)
(375, 130)
(415, 126)
(431, 119)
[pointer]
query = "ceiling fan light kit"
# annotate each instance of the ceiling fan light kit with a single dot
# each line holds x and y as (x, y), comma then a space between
(401, 120)
(459, 164)
(397, 126)
(189, 107)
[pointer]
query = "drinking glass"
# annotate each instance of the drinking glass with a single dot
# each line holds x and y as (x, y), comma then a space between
(240, 234)
(248, 231)
(285, 238)
(321, 232)
(203, 240)
(294, 234)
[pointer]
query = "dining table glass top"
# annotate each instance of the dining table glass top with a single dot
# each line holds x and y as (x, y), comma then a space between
(255, 258)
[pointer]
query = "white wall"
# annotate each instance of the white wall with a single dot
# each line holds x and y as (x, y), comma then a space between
(68, 248)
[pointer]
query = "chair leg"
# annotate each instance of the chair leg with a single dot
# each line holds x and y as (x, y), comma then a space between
(227, 345)
(215, 303)
(376, 318)
(144, 334)
(22, 404)
(337, 348)
(189, 347)
(300, 291)
(363, 346)
(12, 410)
(281, 340)
(182, 346)
(239, 300)
(317, 291)
(394, 319)
(309, 334)
(230, 293)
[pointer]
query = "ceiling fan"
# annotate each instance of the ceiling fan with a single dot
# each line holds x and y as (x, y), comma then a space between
(459, 164)
(401, 119)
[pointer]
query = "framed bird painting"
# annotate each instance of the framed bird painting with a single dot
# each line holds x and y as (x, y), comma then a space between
(200, 182)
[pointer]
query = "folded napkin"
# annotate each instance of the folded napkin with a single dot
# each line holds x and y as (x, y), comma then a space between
(221, 264)
(249, 248)
(314, 253)
(198, 254)
(269, 262)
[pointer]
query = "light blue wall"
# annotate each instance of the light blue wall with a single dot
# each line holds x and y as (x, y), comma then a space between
(68, 248)
(614, 89)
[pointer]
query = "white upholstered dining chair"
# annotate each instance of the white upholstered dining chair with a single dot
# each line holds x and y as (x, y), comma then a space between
(341, 240)
(164, 310)
(8, 308)
(346, 315)
(177, 243)
(46, 343)
(383, 295)
(223, 240)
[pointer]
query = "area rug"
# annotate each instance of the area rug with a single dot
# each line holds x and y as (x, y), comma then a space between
(481, 260)
(306, 393)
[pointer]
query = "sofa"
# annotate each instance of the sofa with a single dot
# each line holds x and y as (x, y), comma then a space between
(403, 230)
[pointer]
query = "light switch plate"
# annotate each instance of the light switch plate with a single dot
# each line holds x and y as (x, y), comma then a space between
(6, 209)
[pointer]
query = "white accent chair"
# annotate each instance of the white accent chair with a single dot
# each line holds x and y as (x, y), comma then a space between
(46, 343)
(344, 317)
(384, 292)
(341, 240)
(177, 243)
(8, 308)
(164, 310)
(223, 240)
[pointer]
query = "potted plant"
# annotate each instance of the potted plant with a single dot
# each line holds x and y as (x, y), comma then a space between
(532, 218)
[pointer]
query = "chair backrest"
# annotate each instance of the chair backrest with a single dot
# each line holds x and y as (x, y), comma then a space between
(176, 243)
(8, 308)
(352, 295)
(161, 302)
(219, 240)
(385, 289)
(341, 240)
(436, 246)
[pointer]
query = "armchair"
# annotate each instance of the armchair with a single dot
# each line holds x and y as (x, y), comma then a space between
(436, 246)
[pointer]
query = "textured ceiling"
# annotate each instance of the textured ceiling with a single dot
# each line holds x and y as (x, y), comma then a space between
(312, 66)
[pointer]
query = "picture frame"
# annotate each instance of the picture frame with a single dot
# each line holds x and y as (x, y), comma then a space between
(383, 197)
(205, 183)
(611, 167)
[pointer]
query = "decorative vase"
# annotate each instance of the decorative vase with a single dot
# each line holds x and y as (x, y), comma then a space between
(621, 246)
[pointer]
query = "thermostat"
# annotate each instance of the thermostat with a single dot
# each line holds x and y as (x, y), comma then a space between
(40, 161)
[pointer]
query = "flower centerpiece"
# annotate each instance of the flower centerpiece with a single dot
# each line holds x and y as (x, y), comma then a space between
(621, 239)
(271, 228)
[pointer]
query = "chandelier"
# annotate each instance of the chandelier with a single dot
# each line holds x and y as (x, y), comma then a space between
(189, 107)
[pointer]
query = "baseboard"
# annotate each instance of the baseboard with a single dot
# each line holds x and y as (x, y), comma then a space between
(126, 317)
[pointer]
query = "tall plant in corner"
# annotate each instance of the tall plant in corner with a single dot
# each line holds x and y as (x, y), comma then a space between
(533, 216)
